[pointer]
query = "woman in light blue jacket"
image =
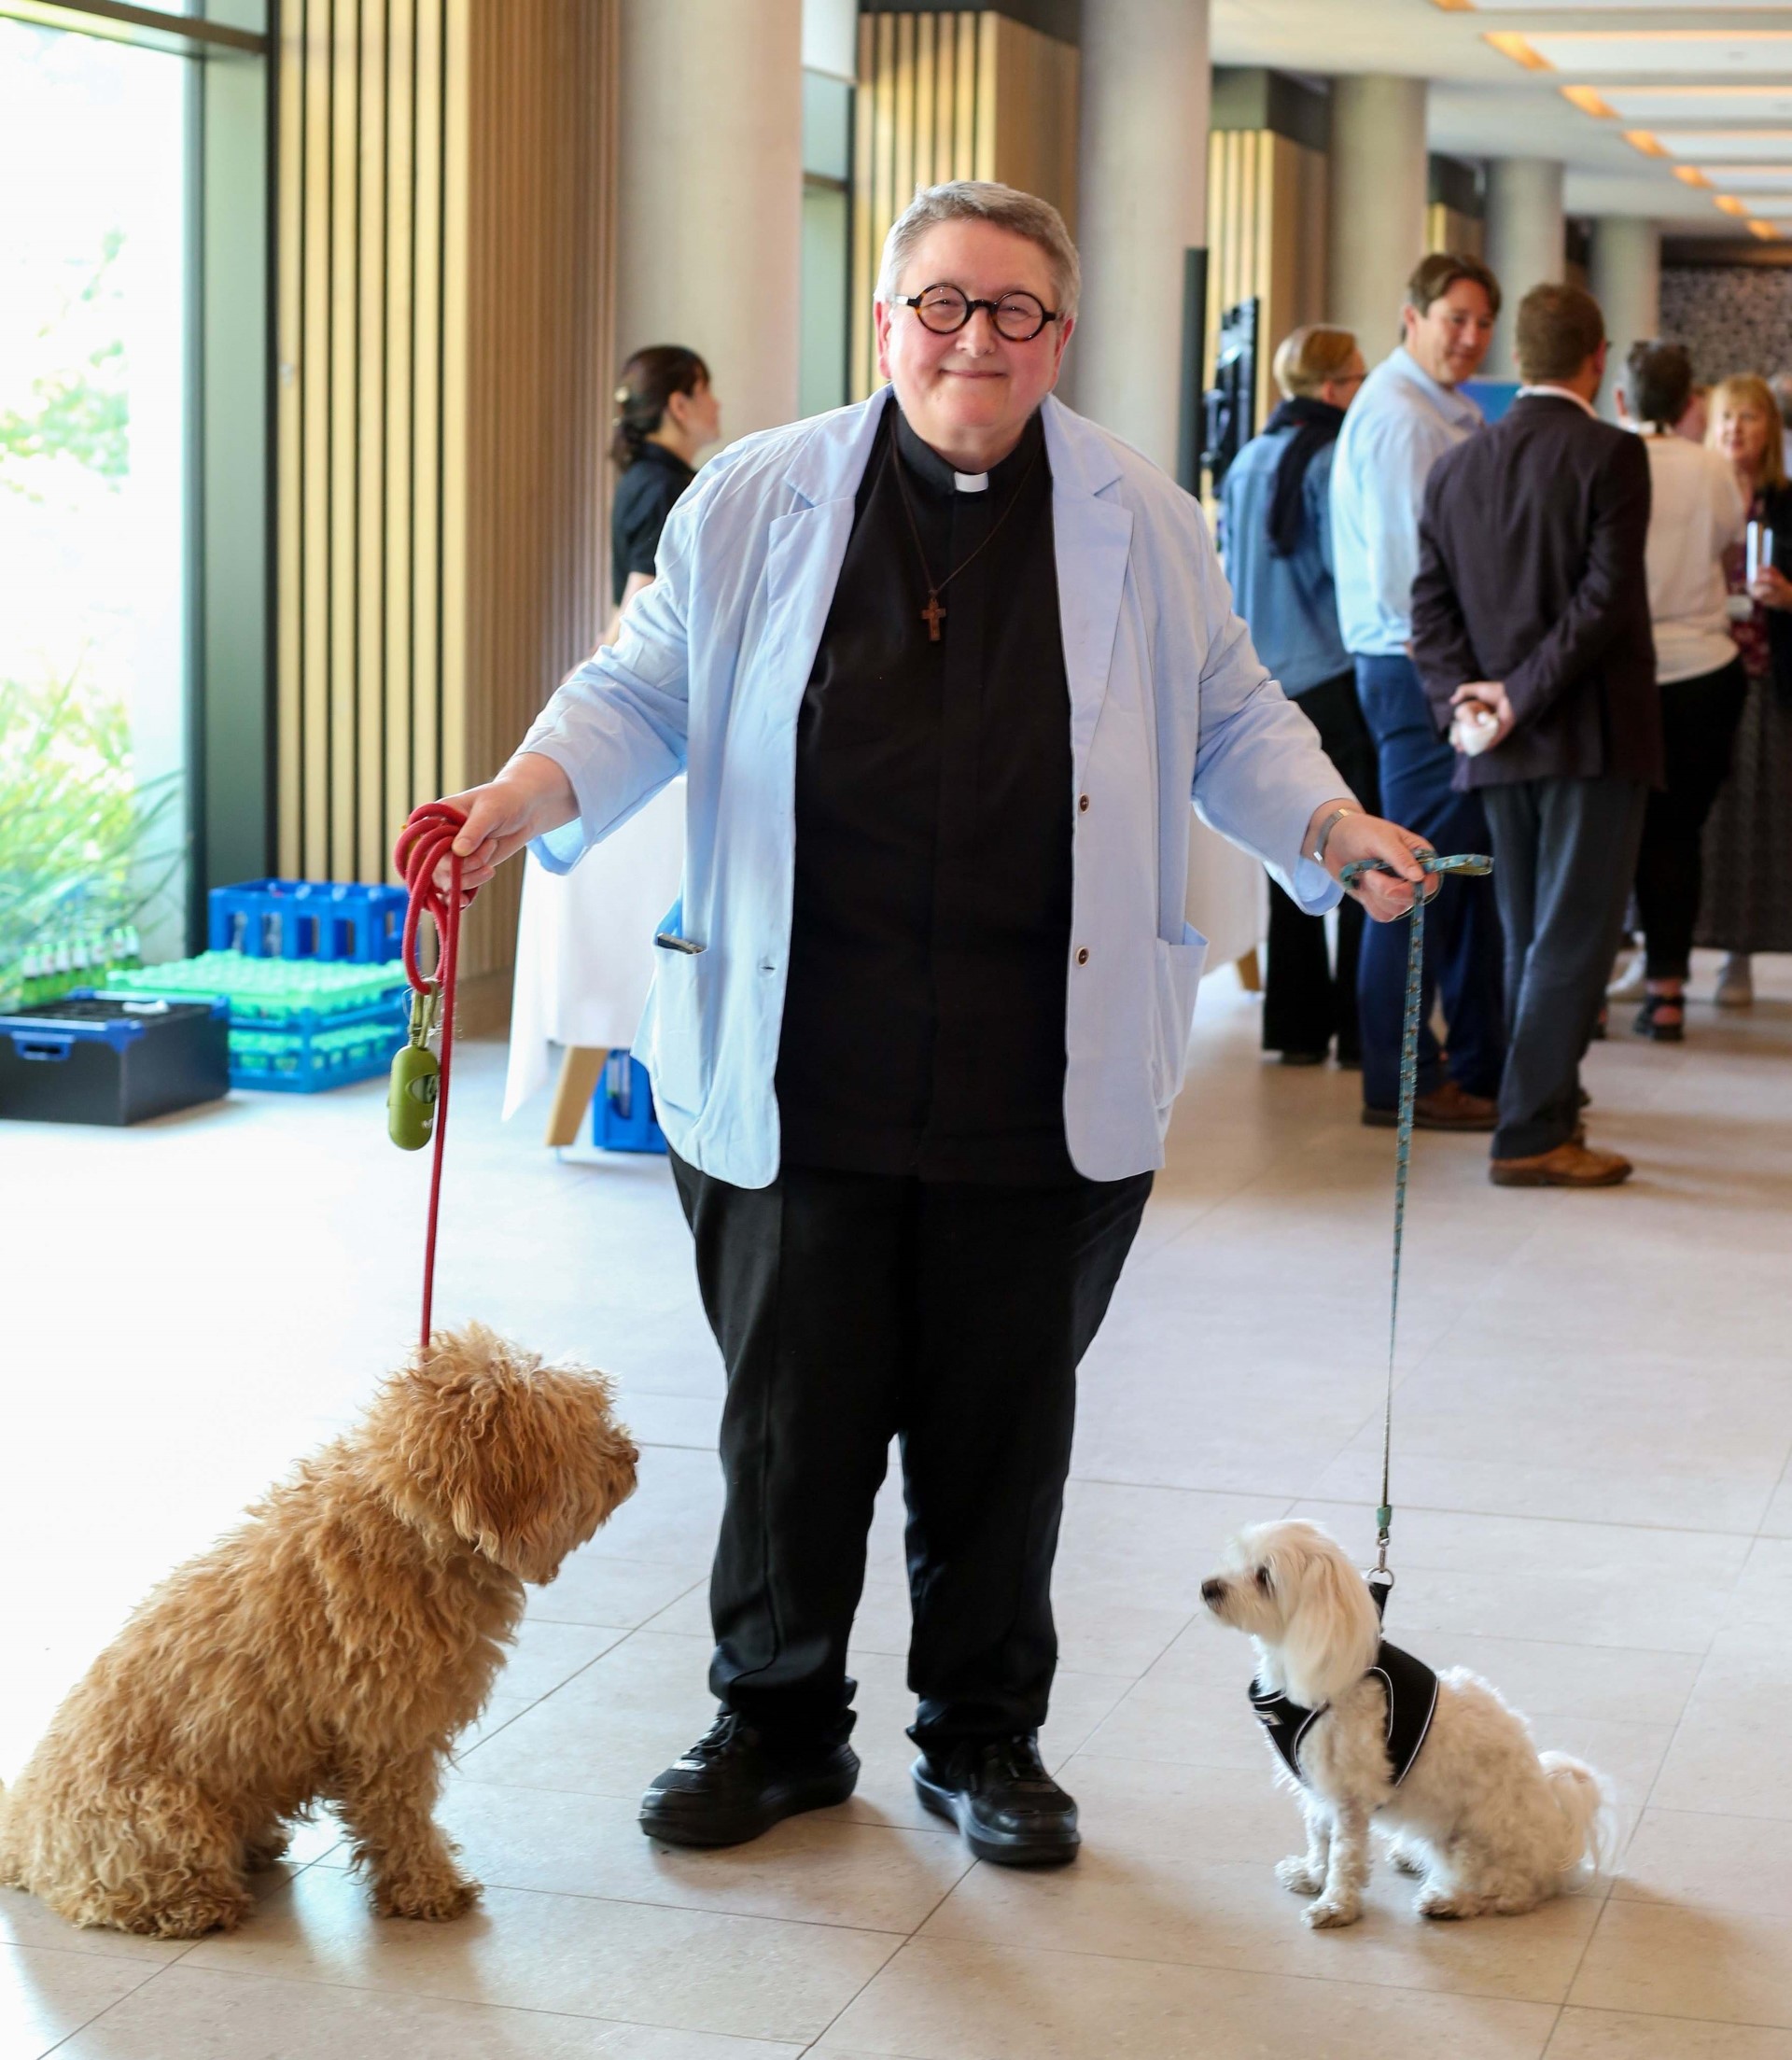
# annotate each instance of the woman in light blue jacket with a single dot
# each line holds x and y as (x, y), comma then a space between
(945, 670)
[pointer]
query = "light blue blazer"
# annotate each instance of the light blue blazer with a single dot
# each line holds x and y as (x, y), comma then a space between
(1166, 701)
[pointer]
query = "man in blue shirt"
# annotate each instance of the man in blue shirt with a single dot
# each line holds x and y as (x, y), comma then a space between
(1409, 413)
(1275, 534)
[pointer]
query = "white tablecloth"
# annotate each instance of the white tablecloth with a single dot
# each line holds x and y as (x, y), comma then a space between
(584, 944)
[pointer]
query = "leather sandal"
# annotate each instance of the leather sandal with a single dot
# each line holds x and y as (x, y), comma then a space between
(1649, 1023)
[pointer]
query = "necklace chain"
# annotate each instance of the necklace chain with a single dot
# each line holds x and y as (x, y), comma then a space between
(934, 614)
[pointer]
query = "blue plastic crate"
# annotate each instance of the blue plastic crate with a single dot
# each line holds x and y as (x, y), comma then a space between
(311, 1052)
(307, 919)
(623, 1117)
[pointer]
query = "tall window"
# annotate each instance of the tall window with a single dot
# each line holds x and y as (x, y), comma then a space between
(94, 802)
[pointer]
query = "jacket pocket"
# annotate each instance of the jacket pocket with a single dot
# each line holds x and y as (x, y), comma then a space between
(674, 1054)
(1179, 976)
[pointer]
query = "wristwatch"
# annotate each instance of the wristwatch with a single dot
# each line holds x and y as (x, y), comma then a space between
(1326, 830)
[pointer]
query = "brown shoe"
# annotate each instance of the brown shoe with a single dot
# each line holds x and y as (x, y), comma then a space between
(1567, 1165)
(1446, 1108)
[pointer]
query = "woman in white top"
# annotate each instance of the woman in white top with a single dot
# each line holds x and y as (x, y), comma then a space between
(1697, 512)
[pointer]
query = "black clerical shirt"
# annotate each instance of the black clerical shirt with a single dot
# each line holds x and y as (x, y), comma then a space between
(929, 946)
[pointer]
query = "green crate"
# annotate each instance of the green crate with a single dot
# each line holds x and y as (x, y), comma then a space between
(271, 990)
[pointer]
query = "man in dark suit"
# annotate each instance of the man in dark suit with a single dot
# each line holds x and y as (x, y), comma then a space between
(1530, 632)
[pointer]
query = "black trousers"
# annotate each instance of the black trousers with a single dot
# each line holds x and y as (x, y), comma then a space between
(1698, 718)
(1565, 854)
(852, 1308)
(1306, 1004)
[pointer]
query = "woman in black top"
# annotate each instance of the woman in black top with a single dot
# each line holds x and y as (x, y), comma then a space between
(667, 412)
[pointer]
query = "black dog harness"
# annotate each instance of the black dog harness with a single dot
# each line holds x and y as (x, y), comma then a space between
(1412, 1701)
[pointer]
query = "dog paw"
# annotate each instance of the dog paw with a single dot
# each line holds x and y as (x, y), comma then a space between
(1331, 1913)
(435, 1901)
(1444, 1905)
(1406, 1860)
(192, 1917)
(260, 1854)
(1298, 1878)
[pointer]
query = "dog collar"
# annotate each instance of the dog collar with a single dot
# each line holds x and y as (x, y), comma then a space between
(1411, 1689)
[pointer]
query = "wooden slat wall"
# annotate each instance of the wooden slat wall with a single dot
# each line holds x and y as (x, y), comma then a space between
(1448, 228)
(952, 94)
(446, 207)
(1266, 232)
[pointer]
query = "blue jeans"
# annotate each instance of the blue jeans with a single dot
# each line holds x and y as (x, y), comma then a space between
(1463, 943)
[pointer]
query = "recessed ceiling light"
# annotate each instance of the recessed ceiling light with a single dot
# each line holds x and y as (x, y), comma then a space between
(1509, 43)
(1589, 102)
(1765, 230)
(1689, 175)
(1731, 205)
(1647, 142)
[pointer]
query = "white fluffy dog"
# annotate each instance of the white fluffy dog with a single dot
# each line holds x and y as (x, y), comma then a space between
(1490, 1824)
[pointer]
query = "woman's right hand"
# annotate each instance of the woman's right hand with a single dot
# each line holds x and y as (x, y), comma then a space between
(528, 798)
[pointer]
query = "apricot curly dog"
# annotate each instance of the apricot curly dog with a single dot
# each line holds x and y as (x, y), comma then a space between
(326, 1651)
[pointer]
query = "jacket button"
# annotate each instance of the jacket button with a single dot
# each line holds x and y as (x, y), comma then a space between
(1082, 804)
(1082, 956)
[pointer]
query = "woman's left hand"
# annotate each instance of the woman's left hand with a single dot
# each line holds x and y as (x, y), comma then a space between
(1771, 587)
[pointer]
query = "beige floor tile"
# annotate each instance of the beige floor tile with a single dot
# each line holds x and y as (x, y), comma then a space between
(193, 2014)
(1672, 1960)
(1234, 1914)
(679, 1970)
(25, 1920)
(1711, 1862)
(820, 1868)
(948, 2001)
(601, 1589)
(1728, 1756)
(1616, 2035)
(611, 1728)
(546, 1654)
(45, 1995)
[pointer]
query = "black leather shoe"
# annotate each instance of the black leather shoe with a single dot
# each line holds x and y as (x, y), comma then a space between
(999, 1796)
(736, 1782)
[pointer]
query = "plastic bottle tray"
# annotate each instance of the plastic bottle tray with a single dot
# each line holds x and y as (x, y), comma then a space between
(296, 1026)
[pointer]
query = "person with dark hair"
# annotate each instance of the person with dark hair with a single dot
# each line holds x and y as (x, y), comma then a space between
(1275, 536)
(1696, 514)
(666, 411)
(1531, 631)
(1409, 413)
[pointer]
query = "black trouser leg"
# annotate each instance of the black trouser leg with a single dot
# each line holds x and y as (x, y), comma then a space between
(849, 1307)
(1564, 853)
(1698, 718)
(1013, 1286)
(1304, 1004)
(807, 1287)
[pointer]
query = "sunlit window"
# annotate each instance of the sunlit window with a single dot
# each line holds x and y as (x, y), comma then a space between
(94, 435)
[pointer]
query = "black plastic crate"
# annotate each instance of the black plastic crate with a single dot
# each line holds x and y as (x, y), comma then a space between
(112, 1058)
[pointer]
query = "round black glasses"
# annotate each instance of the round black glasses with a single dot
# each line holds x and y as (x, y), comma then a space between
(1018, 318)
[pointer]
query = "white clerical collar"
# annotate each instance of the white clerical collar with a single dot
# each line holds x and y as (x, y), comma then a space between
(1547, 389)
(971, 483)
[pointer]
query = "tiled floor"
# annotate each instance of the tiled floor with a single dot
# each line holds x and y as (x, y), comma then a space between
(1594, 1423)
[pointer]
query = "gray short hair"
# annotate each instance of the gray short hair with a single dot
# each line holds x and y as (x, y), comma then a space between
(983, 200)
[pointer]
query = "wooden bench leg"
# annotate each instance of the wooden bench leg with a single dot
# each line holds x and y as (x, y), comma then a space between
(579, 1071)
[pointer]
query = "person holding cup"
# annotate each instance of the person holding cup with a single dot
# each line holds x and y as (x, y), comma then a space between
(1747, 904)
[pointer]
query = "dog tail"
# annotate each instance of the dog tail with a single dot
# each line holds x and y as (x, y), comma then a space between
(1584, 1802)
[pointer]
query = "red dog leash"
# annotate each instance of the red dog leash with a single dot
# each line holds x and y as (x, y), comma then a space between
(420, 1090)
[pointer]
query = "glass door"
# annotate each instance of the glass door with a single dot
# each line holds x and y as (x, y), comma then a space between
(95, 802)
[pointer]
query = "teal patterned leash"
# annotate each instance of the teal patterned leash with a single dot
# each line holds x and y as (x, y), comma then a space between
(1472, 864)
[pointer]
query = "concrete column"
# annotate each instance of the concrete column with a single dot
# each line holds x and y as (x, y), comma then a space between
(1379, 169)
(1526, 242)
(710, 195)
(1141, 203)
(1626, 284)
